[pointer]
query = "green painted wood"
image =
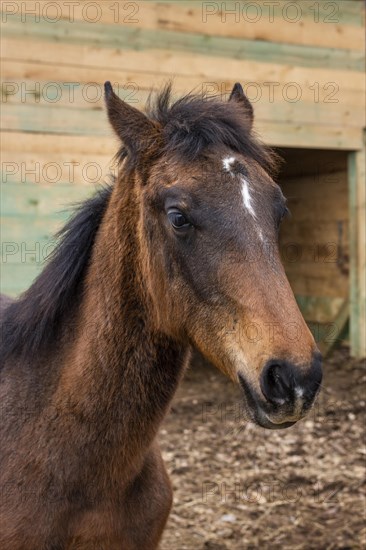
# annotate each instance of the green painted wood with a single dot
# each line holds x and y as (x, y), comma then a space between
(26, 252)
(44, 118)
(348, 12)
(38, 200)
(29, 229)
(356, 164)
(63, 120)
(14, 281)
(30, 217)
(126, 38)
(58, 94)
(280, 110)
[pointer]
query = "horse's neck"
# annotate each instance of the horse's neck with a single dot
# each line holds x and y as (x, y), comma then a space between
(121, 373)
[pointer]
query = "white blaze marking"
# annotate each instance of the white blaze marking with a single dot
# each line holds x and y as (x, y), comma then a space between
(247, 198)
(227, 162)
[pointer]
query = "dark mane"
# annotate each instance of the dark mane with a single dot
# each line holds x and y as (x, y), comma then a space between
(33, 319)
(195, 122)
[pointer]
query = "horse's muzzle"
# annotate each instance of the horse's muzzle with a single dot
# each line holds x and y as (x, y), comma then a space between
(288, 392)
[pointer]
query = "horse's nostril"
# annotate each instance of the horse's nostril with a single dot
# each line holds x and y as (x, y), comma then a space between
(277, 383)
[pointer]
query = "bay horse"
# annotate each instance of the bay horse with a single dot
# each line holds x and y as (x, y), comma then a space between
(180, 252)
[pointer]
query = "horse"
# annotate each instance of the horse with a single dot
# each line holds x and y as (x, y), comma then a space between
(179, 252)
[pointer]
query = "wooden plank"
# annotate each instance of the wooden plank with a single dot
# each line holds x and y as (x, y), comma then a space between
(168, 63)
(54, 94)
(55, 169)
(305, 32)
(136, 82)
(31, 215)
(30, 228)
(70, 146)
(279, 110)
(14, 281)
(26, 241)
(309, 239)
(348, 12)
(57, 121)
(64, 120)
(358, 253)
(284, 28)
(310, 136)
(121, 79)
(42, 201)
(134, 38)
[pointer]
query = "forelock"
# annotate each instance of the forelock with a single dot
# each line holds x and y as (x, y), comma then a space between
(194, 122)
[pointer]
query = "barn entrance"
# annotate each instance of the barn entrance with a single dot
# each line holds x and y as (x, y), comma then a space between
(314, 240)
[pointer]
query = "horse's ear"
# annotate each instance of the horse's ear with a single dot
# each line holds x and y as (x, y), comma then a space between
(238, 95)
(133, 128)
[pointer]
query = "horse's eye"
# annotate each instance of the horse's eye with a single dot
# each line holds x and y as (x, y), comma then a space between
(177, 219)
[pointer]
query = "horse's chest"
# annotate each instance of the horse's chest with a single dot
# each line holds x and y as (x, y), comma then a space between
(99, 529)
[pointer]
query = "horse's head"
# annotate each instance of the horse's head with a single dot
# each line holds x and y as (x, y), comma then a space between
(208, 226)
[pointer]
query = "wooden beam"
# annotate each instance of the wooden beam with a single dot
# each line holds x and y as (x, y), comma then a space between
(72, 147)
(48, 168)
(349, 97)
(166, 63)
(357, 189)
(134, 38)
(46, 95)
(65, 120)
(310, 136)
(323, 29)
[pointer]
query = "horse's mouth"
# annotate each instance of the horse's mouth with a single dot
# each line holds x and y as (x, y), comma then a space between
(264, 422)
(256, 410)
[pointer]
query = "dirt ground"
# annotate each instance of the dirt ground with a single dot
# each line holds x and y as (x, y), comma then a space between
(238, 486)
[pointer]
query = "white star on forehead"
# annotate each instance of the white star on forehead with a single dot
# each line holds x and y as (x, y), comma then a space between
(227, 163)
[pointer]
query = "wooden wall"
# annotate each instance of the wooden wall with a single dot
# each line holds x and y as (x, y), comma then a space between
(314, 238)
(302, 68)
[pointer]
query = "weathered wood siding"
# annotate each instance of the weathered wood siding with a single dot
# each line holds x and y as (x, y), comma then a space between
(314, 240)
(315, 237)
(301, 64)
